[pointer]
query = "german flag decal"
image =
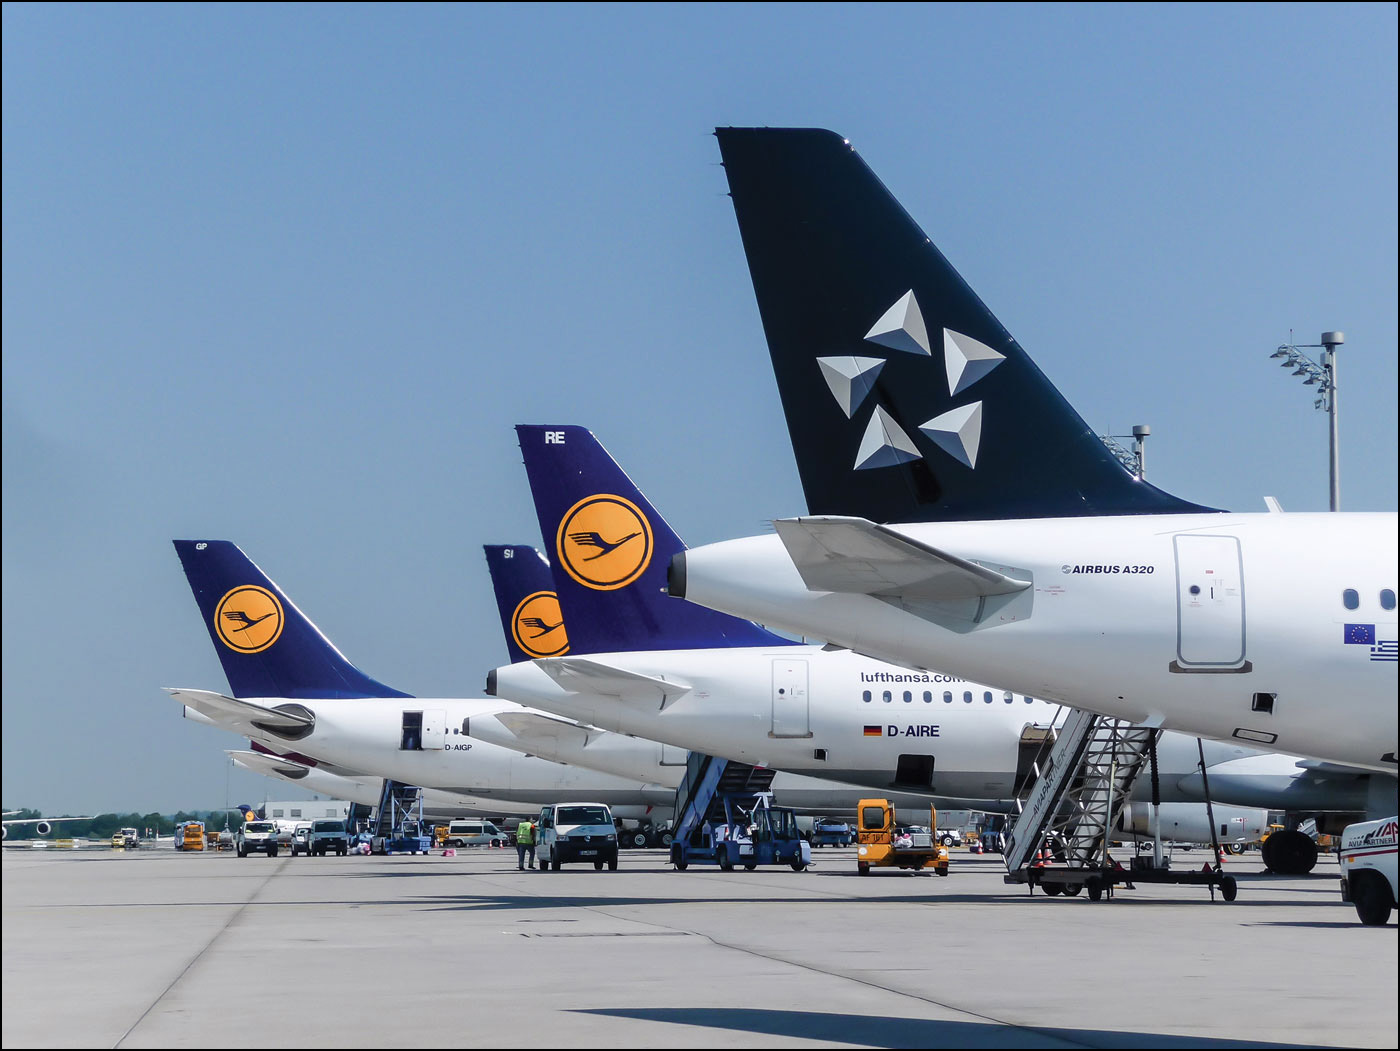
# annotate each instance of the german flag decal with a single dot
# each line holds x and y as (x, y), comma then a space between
(873, 731)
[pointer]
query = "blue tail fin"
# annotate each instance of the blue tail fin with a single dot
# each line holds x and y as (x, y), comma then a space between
(609, 550)
(906, 400)
(267, 646)
(529, 607)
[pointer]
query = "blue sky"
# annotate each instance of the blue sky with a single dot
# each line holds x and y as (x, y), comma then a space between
(288, 276)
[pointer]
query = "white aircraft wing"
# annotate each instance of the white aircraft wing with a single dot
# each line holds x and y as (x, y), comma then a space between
(233, 714)
(581, 675)
(855, 556)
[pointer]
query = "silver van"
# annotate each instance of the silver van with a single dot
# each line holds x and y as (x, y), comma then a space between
(475, 834)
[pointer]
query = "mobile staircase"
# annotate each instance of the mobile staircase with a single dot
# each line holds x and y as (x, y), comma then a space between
(1059, 841)
(397, 825)
(717, 803)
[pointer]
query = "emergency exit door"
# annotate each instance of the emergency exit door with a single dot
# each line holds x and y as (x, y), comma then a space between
(1210, 625)
(790, 700)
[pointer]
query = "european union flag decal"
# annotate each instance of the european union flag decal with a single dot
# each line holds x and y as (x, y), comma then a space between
(1359, 634)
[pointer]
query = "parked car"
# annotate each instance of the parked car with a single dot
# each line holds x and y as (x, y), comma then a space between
(576, 832)
(301, 843)
(475, 834)
(257, 837)
(328, 836)
(950, 837)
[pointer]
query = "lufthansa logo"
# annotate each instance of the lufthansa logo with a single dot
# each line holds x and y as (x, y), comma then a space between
(248, 619)
(538, 626)
(604, 542)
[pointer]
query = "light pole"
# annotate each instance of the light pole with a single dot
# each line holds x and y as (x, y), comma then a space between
(1135, 460)
(1324, 377)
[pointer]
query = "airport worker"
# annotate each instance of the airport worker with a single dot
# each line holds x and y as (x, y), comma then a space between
(525, 841)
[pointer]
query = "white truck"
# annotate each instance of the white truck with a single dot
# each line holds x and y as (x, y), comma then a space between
(1369, 869)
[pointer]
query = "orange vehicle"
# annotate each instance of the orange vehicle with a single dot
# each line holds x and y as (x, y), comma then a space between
(881, 842)
(190, 836)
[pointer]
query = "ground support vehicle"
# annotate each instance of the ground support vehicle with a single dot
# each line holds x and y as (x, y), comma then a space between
(257, 837)
(118, 841)
(189, 836)
(301, 836)
(328, 836)
(828, 833)
(572, 832)
(881, 843)
(474, 834)
(950, 837)
(751, 832)
(1369, 869)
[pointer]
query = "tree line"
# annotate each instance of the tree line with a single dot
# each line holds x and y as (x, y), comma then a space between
(103, 825)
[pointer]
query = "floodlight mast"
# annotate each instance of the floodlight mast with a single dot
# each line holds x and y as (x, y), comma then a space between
(1324, 377)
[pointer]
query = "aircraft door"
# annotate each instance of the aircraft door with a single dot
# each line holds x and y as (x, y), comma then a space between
(435, 729)
(1209, 604)
(790, 701)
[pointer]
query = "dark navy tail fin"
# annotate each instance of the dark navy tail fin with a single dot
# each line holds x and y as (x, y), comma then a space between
(609, 550)
(905, 398)
(267, 646)
(530, 615)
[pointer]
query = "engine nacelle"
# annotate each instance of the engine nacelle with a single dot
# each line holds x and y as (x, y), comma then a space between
(43, 828)
(1189, 822)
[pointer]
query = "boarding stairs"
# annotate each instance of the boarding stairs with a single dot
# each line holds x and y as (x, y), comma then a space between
(397, 825)
(708, 781)
(1078, 793)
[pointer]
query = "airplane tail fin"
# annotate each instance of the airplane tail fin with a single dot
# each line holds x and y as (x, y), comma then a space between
(609, 551)
(529, 607)
(906, 399)
(267, 646)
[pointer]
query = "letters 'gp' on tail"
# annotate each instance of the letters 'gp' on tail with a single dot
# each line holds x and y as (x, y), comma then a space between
(529, 608)
(609, 550)
(267, 646)
(906, 399)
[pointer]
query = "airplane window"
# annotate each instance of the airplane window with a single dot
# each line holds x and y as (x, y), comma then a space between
(1028, 700)
(987, 696)
(888, 696)
(1350, 599)
(967, 697)
(1387, 599)
(1008, 698)
(947, 696)
(865, 697)
(908, 696)
(928, 697)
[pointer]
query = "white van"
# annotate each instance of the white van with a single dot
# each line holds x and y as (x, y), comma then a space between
(576, 832)
(475, 834)
(1369, 869)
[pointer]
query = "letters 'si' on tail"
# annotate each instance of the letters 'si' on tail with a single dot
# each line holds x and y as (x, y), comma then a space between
(267, 646)
(906, 399)
(525, 596)
(609, 550)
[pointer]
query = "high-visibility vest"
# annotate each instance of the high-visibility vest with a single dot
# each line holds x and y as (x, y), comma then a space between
(525, 834)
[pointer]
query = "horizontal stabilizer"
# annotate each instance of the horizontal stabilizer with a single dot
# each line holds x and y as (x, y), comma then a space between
(268, 765)
(230, 712)
(855, 556)
(581, 675)
(533, 728)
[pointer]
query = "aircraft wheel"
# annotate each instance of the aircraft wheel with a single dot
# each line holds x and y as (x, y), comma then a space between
(638, 839)
(1290, 853)
(1372, 899)
(667, 838)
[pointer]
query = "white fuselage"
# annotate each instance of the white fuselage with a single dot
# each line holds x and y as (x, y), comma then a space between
(844, 716)
(1111, 623)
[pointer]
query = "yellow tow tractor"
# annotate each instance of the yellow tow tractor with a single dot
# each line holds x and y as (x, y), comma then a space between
(882, 842)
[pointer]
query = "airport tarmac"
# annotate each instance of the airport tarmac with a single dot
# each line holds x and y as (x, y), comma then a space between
(155, 948)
